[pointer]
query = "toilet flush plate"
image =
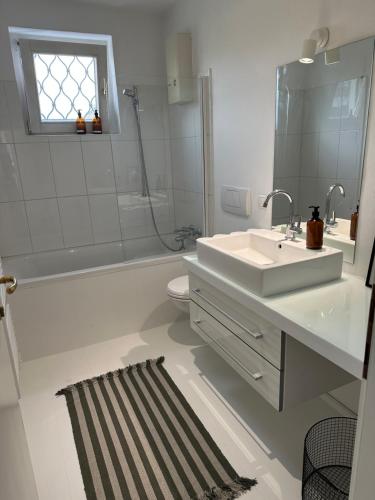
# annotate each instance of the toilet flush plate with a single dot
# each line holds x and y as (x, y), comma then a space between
(236, 200)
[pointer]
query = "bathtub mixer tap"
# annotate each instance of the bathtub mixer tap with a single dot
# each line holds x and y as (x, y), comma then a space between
(190, 233)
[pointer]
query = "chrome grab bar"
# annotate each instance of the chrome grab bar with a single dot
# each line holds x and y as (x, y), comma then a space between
(255, 335)
(12, 286)
(256, 376)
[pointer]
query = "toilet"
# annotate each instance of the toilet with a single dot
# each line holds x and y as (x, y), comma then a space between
(178, 292)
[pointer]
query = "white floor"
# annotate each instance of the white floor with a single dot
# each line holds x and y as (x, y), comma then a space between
(258, 441)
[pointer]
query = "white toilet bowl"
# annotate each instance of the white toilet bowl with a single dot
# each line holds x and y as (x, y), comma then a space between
(178, 293)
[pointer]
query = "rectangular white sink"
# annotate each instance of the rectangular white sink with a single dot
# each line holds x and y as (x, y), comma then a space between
(264, 263)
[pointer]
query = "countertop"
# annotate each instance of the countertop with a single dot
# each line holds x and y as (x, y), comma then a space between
(331, 318)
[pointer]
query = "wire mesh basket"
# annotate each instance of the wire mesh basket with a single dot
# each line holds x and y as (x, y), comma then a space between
(327, 461)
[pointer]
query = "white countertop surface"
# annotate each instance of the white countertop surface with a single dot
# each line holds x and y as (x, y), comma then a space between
(331, 318)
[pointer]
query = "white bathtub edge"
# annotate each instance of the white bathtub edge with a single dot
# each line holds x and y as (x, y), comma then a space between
(97, 271)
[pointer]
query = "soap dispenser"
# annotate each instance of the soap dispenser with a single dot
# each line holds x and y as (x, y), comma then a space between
(97, 124)
(80, 124)
(354, 224)
(314, 231)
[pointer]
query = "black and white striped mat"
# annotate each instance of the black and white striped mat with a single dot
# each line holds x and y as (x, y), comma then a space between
(138, 438)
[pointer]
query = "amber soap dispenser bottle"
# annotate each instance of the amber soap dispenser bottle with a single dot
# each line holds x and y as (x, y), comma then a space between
(97, 124)
(314, 231)
(80, 124)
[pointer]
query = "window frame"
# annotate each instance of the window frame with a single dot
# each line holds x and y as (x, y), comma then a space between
(110, 113)
(27, 49)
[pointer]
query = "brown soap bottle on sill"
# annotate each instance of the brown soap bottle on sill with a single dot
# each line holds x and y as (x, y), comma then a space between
(97, 124)
(354, 224)
(314, 231)
(80, 124)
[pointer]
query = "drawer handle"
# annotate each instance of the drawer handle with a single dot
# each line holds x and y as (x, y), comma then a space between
(255, 335)
(256, 376)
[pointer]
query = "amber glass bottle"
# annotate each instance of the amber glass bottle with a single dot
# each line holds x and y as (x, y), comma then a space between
(80, 124)
(354, 224)
(97, 124)
(314, 231)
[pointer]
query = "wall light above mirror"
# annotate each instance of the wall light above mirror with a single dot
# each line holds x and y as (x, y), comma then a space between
(321, 123)
(318, 40)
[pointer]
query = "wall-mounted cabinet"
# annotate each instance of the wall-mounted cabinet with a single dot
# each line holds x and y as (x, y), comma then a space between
(284, 371)
(179, 68)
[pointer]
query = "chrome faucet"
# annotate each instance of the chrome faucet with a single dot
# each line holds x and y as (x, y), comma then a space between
(293, 227)
(190, 233)
(330, 222)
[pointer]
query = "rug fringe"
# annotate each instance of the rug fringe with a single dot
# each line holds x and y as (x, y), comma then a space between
(229, 491)
(109, 375)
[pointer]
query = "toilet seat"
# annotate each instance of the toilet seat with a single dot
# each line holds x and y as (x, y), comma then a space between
(178, 288)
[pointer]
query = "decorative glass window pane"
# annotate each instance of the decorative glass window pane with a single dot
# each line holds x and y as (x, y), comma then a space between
(66, 84)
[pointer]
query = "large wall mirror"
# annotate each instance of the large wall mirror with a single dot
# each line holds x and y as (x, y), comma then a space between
(321, 121)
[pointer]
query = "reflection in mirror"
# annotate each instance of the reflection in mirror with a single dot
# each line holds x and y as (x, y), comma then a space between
(321, 119)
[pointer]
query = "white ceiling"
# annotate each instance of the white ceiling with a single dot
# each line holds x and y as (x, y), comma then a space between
(154, 4)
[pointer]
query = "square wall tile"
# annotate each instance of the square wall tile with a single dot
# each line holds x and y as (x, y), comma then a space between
(127, 166)
(44, 223)
(34, 161)
(132, 210)
(186, 169)
(311, 116)
(329, 107)
(76, 221)
(158, 164)
(328, 154)
(354, 104)
(308, 195)
(67, 164)
(349, 166)
(153, 114)
(288, 155)
(188, 208)
(135, 214)
(10, 184)
(98, 163)
(182, 120)
(309, 155)
(105, 218)
(6, 134)
(293, 123)
(15, 237)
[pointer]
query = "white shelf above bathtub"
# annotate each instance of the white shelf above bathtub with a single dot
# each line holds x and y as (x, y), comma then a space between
(330, 319)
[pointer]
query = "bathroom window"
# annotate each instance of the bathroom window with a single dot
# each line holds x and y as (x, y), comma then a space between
(58, 77)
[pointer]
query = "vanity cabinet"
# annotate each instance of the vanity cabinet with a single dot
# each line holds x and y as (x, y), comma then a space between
(284, 371)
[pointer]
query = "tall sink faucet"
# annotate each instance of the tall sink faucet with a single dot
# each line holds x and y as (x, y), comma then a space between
(330, 222)
(293, 228)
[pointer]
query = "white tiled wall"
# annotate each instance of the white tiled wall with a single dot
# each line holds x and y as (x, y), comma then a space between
(61, 192)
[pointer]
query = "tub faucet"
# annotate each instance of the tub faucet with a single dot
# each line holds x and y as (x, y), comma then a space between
(191, 233)
(330, 222)
(293, 227)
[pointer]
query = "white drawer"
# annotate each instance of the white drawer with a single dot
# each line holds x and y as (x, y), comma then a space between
(253, 330)
(258, 372)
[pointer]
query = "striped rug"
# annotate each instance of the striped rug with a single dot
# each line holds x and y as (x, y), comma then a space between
(138, 438)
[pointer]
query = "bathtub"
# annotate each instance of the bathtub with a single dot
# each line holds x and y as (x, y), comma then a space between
(55, 311)
(41, 264)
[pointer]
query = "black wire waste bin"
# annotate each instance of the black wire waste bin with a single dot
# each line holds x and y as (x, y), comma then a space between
(327, 460)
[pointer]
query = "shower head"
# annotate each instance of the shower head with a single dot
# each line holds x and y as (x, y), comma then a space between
(133, 92)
